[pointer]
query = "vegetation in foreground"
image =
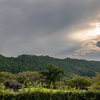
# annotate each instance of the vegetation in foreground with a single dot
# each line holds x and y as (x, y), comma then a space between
(40, 93)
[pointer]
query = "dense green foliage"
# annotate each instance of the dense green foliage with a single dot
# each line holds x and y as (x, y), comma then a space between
(40, 93)
(79, 82)
(25, 77)
(53, 73)
(25, 69)
(34, 78)
(5, 76)
(70, 66)
(69, 90)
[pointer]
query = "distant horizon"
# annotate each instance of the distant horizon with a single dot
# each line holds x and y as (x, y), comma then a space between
(47, 55)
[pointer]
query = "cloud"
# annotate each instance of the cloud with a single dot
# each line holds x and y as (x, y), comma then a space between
(31, 17)
(47, 26)
(91, 46)
(98, 44)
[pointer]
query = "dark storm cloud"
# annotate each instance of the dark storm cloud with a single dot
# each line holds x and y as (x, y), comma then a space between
(98, 44)
(29, 17)
(39, 26)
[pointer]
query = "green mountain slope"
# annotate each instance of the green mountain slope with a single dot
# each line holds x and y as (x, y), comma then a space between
(36, 63)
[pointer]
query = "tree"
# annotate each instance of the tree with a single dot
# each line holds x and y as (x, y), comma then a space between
(79, 82)
(53, 74)
(6, 76)
(29, 76)
(96, 81)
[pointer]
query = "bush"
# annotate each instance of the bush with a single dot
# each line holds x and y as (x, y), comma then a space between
(79, 82)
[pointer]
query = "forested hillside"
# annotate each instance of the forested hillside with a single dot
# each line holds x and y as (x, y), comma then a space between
(71, 67)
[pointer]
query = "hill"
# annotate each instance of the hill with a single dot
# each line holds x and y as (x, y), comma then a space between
(71, 66)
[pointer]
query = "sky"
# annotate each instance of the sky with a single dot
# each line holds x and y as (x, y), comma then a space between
(58, 28)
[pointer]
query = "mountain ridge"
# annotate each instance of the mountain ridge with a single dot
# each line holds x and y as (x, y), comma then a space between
(71, 66)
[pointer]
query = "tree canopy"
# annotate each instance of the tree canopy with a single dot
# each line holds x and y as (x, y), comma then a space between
(79, 82)
(53, 74)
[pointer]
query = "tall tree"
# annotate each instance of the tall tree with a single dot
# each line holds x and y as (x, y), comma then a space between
(53, 73)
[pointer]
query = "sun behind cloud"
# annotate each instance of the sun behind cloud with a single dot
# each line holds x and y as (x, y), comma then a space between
(85, 35)
(96, 30)
(89, 39)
